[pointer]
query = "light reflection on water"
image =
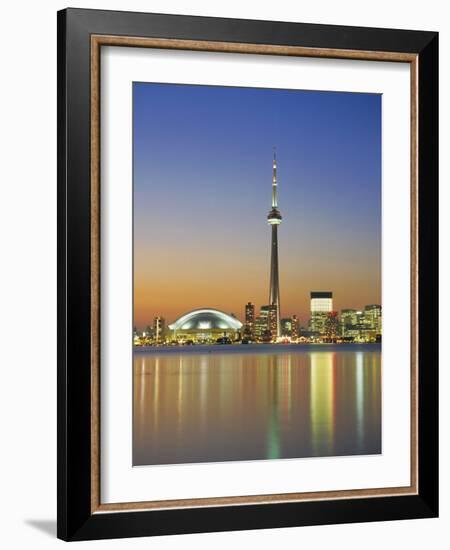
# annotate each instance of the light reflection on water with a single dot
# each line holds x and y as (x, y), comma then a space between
(261, 402)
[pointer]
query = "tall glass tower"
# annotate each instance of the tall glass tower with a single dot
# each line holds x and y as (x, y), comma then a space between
(274, 219)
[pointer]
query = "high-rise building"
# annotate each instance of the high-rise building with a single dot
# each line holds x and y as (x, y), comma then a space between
(294, 327)
(249, 326)
(159, 329)
(273, 324)
(274, 220)
(260, 327)
(331, 326)
(349, 320)
(262, 324)
(321, 302)
(372, 318)
(286, 326)
(264, 313)
(321, 305)
(266, 324)
(249, 313)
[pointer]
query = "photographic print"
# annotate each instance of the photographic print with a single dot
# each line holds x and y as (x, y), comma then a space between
(257, 274)
(245, 306)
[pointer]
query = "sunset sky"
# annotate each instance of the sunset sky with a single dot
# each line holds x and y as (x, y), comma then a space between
(202, 191)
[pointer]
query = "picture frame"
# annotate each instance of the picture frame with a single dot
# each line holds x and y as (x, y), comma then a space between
(81, 36)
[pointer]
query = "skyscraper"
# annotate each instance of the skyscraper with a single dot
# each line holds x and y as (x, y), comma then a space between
(321, 305)
(159, 328)
(273, 324)
(274, 220)
(286, 326)
(295, 327)
(372, 317)
(249, 313)
(331, 326)
(249, 327)
(349, 321)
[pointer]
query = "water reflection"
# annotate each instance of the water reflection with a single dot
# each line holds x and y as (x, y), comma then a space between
(322, 402)
(261, 402)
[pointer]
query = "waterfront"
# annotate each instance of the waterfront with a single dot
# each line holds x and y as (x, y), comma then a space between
(221, 403)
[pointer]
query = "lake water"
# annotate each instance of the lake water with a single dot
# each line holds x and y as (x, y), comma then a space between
(220, 403)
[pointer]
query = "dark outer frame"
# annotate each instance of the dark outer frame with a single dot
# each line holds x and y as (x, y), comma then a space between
(76, 520)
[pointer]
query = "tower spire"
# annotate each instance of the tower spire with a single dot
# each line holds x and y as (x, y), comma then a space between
(274, 180)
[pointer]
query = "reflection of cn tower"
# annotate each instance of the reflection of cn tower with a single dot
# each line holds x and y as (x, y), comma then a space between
(274, 219)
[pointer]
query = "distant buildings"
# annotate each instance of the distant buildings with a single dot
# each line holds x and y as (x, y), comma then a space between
(349, 320)
(159, 329)
(321, 306)
(286, 327)
(273, 323)
(294, 328)
(266, 323)
(249, 326)
(331, 327)
(325, 325)
(260, 326)
(361, 326)
(372, 317)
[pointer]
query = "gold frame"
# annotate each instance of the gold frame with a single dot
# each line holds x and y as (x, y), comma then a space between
(97, 41)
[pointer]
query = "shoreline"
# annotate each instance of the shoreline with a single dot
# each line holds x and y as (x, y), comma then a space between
(255, 348)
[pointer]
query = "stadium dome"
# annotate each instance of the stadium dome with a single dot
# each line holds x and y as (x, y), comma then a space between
(206, 319)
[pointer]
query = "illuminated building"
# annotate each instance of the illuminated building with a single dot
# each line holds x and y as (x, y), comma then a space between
(362, 326)
(349, 320)
(331, 326)
(159, 329)
(205, 325)
(265, 324)
(260, 327)
(294, 327)
(321, 305)
(249, 327)
(372, 318)
(321, 302)
(273, 324)
(286, 327)
(274, 220)
(264, 313)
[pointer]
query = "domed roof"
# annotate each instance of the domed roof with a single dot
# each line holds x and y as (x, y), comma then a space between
(206, 319)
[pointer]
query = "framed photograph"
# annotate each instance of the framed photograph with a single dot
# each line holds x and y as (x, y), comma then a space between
(247, 254)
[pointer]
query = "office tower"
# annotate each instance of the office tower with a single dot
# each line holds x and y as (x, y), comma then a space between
(372, 318)
(159, 329)
(321, 305)
(331, 326)
(273, 323)
(348, 322)
(286, 326)
(294, 327)
(249, 326)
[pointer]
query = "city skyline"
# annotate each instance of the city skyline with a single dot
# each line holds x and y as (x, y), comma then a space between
(242, 316)
(325, 325)
(200, 198)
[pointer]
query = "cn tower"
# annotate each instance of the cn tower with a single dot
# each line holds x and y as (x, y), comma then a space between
(274, 219)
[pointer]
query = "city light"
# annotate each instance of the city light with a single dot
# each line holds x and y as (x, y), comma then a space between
(323, 327)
